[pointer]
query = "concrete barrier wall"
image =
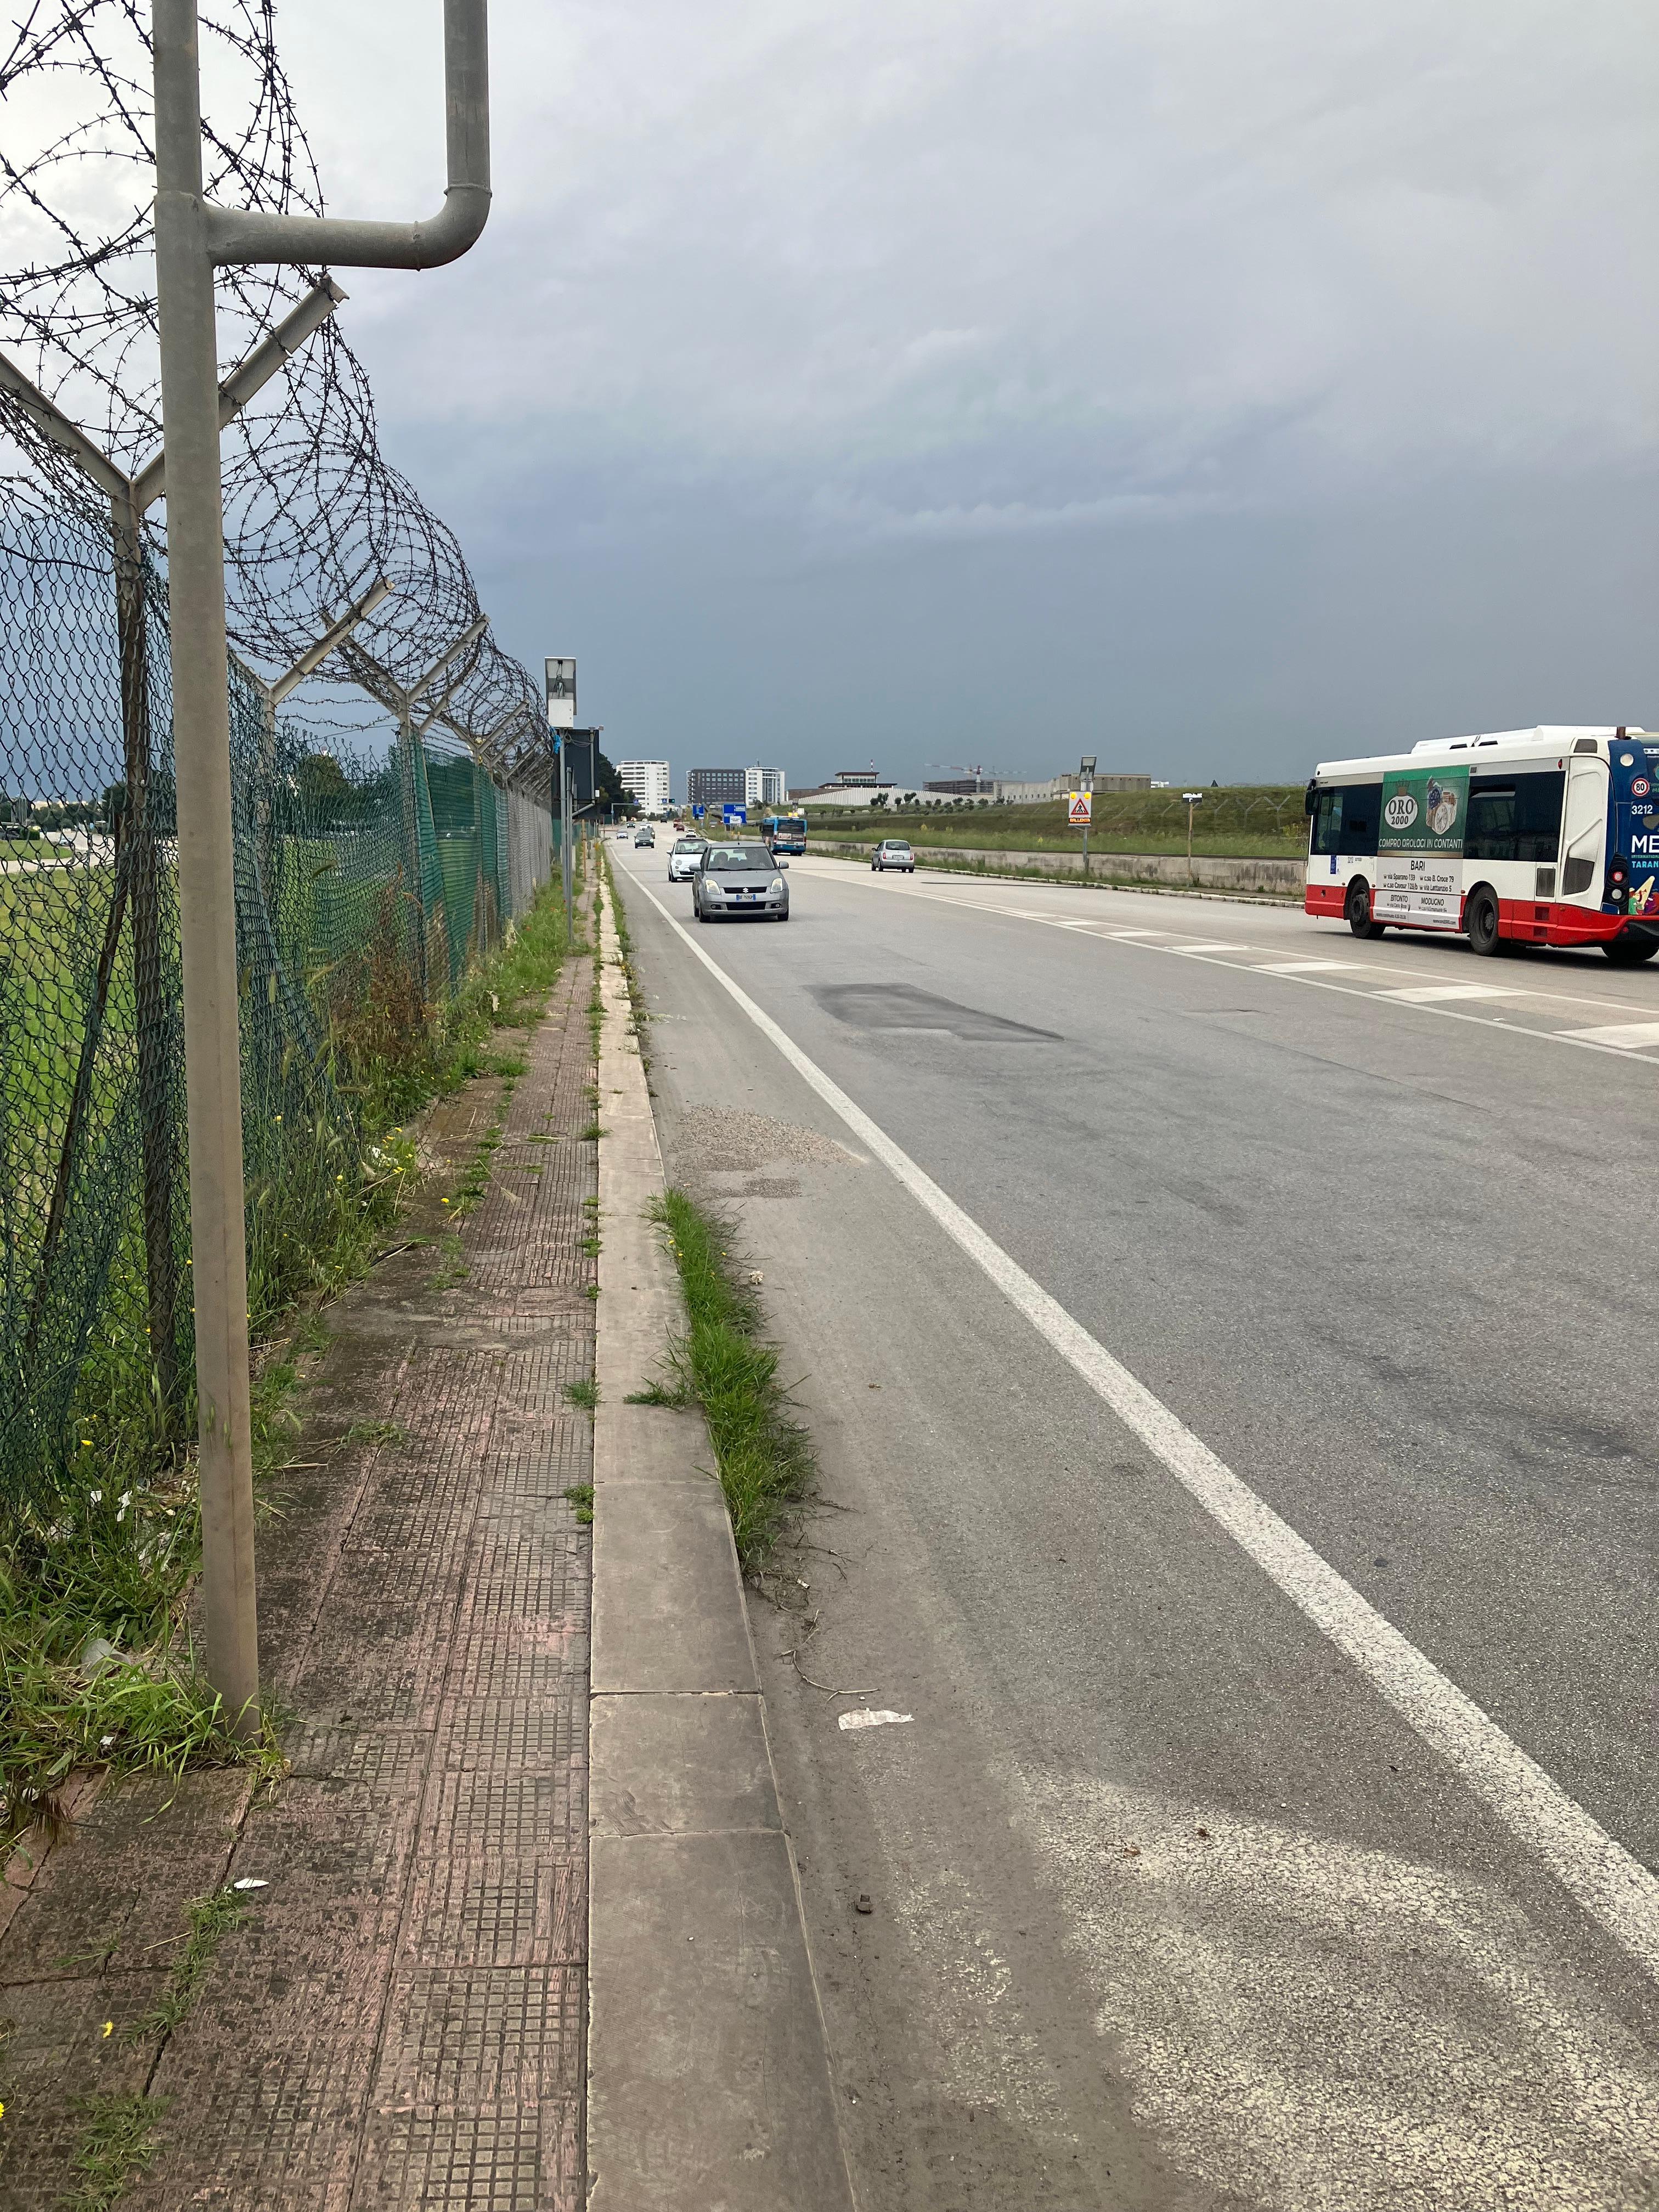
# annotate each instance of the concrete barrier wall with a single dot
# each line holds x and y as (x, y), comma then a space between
(1284, 878)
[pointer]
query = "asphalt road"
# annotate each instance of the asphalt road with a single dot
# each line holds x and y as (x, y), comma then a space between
(1171, 1904)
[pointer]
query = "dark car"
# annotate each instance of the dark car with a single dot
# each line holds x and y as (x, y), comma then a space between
(734, 879)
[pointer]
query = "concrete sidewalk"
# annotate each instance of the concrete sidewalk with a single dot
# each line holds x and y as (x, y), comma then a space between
(709, 2080)
(400, 2020)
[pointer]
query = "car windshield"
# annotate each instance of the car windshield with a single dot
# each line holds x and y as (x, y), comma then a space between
(689, 845)
(897, 845)
(737, 859)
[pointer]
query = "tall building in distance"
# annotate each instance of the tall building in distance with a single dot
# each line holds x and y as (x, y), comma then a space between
(647, 784)
(765, 787)
(717, 787)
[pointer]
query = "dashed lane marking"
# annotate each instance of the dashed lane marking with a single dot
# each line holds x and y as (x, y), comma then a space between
(1429, 994)
(1623, 1037)
(1320, 975)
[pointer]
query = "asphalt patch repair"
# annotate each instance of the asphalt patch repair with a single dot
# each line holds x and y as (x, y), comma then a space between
(400, 2017)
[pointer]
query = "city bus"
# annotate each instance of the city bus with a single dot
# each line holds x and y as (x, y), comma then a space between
(1546, 837)
(785, 833)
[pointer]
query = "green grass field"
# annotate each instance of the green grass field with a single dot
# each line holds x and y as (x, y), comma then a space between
(1240, 821)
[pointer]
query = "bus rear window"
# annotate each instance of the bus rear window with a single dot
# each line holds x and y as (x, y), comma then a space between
(1515, 817)
(1345, 818)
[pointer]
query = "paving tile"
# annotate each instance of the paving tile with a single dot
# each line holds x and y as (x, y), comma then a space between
(483, 2039)
(514, 2163)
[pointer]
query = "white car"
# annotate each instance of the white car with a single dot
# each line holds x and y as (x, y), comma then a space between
(683, 858)
(894, 852)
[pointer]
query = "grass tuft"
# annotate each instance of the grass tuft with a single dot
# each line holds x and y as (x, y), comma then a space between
(119, 2140)
(586, 1393)
(580, 1495)
(210, 1918)
(723, 1362)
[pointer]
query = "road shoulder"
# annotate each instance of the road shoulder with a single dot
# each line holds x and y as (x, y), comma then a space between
(709, 2070)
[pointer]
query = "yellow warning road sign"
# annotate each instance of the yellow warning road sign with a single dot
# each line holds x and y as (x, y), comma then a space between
(1082, 803)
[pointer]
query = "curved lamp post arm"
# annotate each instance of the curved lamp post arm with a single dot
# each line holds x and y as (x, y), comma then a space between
(235, 237)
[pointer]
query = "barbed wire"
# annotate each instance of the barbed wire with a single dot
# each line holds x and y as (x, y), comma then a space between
(314, 512)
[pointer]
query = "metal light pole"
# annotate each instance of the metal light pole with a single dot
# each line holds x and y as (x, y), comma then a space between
(1086, 782)
(192, 239)
(1193, 799)
(568, 873)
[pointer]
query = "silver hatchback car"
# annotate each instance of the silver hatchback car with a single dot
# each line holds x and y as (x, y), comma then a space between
(738, 879)
(894, 852)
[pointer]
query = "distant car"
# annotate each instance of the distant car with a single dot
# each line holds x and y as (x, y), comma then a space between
(734, 879)
(683, 859)
(645, 835)
(894, 852)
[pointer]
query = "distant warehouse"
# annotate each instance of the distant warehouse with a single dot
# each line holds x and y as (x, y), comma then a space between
(1057, 786)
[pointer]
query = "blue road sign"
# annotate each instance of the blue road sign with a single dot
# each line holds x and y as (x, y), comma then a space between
(734, 815)
(697, 813)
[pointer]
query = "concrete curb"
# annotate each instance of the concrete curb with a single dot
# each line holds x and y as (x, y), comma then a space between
(708, 2080)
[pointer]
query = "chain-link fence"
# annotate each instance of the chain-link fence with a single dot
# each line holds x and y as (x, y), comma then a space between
(368, 882)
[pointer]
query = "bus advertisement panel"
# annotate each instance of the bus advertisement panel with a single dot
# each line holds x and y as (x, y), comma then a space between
(1419, 848)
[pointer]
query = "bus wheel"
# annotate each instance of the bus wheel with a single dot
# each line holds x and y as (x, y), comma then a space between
(1629, 952)
(1480, 920)
(1358, 910)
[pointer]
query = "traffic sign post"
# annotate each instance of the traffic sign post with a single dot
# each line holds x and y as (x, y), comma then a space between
(1083, 804)
(735, 817)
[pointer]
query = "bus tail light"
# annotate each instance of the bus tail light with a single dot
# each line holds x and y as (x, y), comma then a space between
(1617, 895)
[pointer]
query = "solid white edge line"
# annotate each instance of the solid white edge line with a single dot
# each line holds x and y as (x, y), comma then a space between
(1606, 1879)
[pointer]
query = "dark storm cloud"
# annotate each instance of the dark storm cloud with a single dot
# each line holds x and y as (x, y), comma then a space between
(1190, 377)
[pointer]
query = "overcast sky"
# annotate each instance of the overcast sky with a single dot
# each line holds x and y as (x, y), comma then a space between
(1207, 386)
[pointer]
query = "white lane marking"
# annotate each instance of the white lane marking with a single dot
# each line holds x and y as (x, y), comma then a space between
(1428, 994)
(1305, 967)
(1202, 947)
(1612, 1886)
(866, 1718)
(1623, 1036)
(1305, 971)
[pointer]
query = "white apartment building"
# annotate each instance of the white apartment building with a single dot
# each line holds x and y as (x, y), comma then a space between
(646, 783)
(765, 787)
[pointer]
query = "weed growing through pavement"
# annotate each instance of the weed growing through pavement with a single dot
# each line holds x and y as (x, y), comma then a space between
(209, 1919)
(120, 2135)
(586, 1393)
(119, 2140)
(374, 1433)
(580, 1495)
(454, 1268)
(724, 1364)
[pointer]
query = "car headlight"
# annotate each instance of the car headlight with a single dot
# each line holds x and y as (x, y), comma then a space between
(715, 888)
(777, 883)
